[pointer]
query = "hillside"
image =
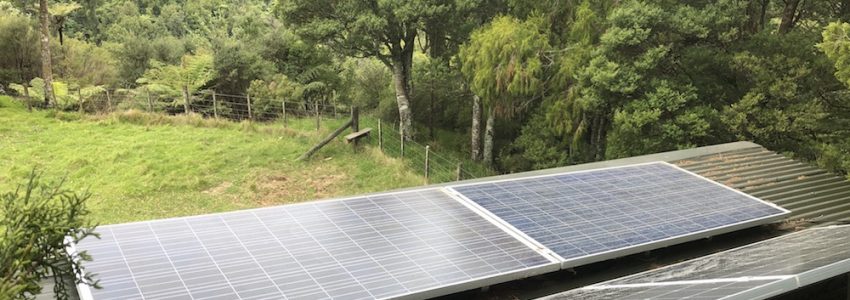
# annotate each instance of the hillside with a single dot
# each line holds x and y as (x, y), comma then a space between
(140, 166)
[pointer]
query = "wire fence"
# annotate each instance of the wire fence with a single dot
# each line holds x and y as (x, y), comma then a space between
(435, 167)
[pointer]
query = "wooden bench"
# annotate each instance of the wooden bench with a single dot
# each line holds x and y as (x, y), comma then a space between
(354, 136)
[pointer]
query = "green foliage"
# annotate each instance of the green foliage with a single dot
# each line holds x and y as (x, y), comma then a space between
(836, 46)
(367, 82)
(19, 52)
(502, 62)
(39, 222)
(193, 72)
(440, 97)
(64, 98)
(664, 118)
(87, 64)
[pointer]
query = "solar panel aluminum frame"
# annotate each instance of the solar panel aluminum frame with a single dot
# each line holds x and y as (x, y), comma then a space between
(83, 289)
(85, 293)
(612, 254)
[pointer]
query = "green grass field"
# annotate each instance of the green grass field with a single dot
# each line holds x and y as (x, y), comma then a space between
(140, 166)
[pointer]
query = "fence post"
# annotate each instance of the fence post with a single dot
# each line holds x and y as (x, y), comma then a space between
(427, 162)
(355, 123)
(333, 103)
(150, 102)
(27, 97)
(458, 171)
(215, 105)
(80, 98)
(250, 115)
(283, 109)
(318, 117)
(108, 101)
(380, 137)
(401, 134)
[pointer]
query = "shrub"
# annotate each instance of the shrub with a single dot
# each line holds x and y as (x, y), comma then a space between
(38, 223)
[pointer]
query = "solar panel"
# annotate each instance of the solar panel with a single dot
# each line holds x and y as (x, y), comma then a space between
(415, 244)
(756, 271)
(589, 216)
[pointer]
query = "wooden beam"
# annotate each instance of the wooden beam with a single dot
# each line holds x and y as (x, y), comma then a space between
(324, 142)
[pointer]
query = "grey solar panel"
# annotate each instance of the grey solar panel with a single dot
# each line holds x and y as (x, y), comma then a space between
(589, 216)
(409, 244)
(755, 271)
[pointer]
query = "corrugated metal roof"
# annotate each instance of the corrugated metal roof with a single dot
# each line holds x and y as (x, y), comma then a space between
(813, 195)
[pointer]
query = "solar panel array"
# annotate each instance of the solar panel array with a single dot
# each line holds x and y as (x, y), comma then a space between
(755, 271)
(369, 247)
(420, 243)
(581, 215)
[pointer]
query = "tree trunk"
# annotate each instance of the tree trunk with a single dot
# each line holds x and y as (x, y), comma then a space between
(46, 65)
(431, 110)
(400, 80)
(789, 16)
(488, 137)
(599, 137)
(756, 10)
(186, 102)
(476, 128)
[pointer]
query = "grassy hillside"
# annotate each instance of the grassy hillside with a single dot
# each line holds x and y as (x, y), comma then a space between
(140, 166)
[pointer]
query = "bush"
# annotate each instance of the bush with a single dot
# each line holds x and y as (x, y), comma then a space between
(39, 221)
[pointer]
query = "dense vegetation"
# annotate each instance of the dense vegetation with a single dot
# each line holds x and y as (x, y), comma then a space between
(552, 82)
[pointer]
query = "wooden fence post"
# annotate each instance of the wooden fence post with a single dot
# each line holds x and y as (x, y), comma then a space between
(318, 117)
(27, 97)
(380, 137)
(187, 105)
(215, 105)
(80, 98)
(333, 103)
(108, 101)
(458, 171)
(283, 109)
(250, 114)
(427, 162)
(150, 102)
(355, 123)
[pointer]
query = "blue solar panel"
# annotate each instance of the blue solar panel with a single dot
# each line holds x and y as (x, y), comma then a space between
(412, 244)
(600, 214)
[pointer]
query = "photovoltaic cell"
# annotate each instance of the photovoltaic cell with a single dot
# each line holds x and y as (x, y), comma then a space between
(413, 244)
(755, 271)
(600, 214)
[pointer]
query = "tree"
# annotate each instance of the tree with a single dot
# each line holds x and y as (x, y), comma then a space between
(502, 63)
(38, 223)
(46, 65)
(836, 46)
(790, 15)
(385, 30)
(19, 62)
(60, 12)
(193, 72)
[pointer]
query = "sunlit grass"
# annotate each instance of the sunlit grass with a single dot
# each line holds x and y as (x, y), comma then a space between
(141, 166)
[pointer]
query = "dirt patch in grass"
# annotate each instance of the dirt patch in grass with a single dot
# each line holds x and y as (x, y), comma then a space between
(321, 181)
(219, 189)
